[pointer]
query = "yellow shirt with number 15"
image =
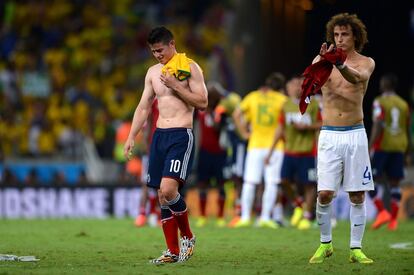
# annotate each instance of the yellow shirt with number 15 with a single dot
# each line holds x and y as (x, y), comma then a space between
(262, 111)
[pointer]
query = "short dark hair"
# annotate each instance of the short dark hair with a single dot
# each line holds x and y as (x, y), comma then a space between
(160, 34)
(276, 81)
(358, 29)
(390, 81)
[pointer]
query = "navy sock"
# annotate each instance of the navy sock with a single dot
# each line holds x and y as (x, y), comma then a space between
(165, 212)
(177, 205)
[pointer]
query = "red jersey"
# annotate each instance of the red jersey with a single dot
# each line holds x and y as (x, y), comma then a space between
(209, 135)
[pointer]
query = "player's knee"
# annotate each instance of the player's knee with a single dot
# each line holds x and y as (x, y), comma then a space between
(357, 197)
(325, 197)
(161, 198)
(168, 192)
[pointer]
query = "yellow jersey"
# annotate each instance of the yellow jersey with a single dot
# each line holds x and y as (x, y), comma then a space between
(262, 111)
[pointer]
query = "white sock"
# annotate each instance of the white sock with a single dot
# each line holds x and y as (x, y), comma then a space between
(323, 217)
(247, 198)
(358, 216)
(268, 201)
(307, 215)
(278, 212)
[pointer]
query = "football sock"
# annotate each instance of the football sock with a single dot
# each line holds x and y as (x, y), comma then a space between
(237, 208)
(152, 197)
(170, 229)
(142, 210)
(268, 200)
(395, 201)
(298, 201)
(358, 221)
(379, 204)
(323, 216)
(278, 212)
(178, 208)
(307, 215)
(203, 202)
(247, 198)
(220, 201)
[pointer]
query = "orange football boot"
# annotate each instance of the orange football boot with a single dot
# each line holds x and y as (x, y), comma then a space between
(233, 221)
(383, 217)
(140, 221)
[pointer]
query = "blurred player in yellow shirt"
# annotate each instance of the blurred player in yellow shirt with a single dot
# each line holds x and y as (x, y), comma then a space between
(261, 110)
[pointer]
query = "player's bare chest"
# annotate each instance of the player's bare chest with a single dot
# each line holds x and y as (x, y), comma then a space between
(159, 88)
(337, 81)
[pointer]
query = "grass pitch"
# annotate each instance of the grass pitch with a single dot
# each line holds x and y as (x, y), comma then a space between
(117, 247)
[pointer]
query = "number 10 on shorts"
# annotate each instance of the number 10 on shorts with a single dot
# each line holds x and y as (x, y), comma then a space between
(175, 165)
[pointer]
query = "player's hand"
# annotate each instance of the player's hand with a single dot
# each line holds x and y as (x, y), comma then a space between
(245, 135)
(171, 82)
(336, 57)
(267, 159)
(128, 146)
(324, 49)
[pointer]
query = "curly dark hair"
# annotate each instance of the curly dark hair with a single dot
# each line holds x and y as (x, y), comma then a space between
(358, 29)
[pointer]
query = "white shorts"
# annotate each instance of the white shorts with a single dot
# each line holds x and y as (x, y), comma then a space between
(240, 156)
(343, 157)
(255, 167)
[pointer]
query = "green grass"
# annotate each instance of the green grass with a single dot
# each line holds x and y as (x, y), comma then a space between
(117, 247)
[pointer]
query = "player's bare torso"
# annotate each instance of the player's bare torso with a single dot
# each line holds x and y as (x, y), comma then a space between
(342, 100)
(173, 111)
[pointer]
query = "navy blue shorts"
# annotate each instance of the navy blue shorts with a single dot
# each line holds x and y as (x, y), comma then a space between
(238, 156)
(388, 163)
(171, 155)
(299, 168)
(210, 165)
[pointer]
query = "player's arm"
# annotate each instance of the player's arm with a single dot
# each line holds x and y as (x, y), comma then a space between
(278, 135)
(140, 114)
(375, 133)
(351, 74)
(195, 94)
(147, 129)
(240, 123)
(360, 74)
(377, 124)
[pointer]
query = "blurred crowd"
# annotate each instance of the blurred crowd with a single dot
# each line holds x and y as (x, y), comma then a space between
(75, 69)
(71, 70)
